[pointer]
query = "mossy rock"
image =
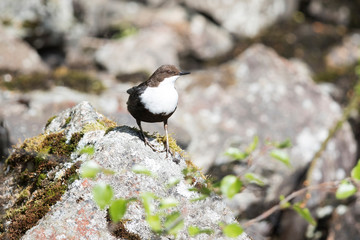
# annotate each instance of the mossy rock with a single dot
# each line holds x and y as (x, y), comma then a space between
(33, 165)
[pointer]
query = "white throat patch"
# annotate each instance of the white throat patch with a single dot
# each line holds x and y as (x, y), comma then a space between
(161, 99)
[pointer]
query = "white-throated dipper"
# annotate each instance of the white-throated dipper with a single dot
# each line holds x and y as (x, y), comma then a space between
(155, 100)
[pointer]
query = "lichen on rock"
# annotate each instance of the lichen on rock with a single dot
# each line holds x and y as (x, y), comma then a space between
(50, 200)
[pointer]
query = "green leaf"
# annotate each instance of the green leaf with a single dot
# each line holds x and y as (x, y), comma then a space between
(355, 172)
(142, 170)
(284, 144)
(253, 178)
(174, 223)
(230, 185)
(172, 182)
(154, 222)
(233, 230)
(102, 194)
(90, 169)
(304, 213)
(281, 155)
(168, 203)
(252, 145)
(147, 199)
(193, 231)
(346, 189)
(202, 197)
(236, 154)
(90, 150)
(283, 203)
(118, 209)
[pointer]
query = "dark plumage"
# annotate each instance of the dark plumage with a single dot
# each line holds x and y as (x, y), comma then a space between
(155, 100)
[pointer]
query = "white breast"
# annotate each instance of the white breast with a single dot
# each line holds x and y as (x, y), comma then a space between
(161, 99)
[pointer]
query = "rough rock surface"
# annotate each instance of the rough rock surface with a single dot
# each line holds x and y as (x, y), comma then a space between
(245, 18)
(77, 216)
(262, 94)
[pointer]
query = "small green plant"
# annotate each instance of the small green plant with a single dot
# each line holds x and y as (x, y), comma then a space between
(160, 213)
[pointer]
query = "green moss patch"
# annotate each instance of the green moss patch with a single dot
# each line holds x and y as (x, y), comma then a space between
(33, 209)
(50, 120)
(34, 164)
(78, 80)
(75, 79)
(28, 82)
(172, 144)
(103, 124)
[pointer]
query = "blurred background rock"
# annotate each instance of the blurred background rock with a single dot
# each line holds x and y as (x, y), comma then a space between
(276, 69)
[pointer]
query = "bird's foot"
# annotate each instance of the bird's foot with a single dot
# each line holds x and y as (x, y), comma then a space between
(152, 146)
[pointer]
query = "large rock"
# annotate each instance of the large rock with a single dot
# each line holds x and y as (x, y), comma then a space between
(18, 56)
(338, 12)
(208, 40)
(76, 215)
(145, 51)
(343, 218)
(346, 54)
(42, 23)
(245, 18)
(262, 94)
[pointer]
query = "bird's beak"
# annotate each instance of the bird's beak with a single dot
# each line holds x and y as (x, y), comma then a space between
(184, 73)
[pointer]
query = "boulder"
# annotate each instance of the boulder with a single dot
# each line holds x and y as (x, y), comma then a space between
(261, 94)
(144, 51)
(337, 12)
(207, 40)
(245, 18)
(74, 214)
(18, 56)
(345, 54)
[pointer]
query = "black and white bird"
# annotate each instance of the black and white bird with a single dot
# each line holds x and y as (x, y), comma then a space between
(155, 100)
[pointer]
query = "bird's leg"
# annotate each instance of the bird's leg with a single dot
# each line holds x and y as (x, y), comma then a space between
(167, 138)
(144, 138)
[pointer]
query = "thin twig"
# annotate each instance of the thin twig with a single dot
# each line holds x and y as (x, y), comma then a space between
(277, 207)
(353, 104)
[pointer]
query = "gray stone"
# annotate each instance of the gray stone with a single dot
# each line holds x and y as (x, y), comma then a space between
(346, 54)
(18, 56)
(245, 18)
(208, 40)
(344, 218)
(262, 94)
(131, 54)
(338, 12)
(120, 150)
(44, 23)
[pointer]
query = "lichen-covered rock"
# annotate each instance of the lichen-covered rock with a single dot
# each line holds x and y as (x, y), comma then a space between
(261, 94)
(75, 214)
